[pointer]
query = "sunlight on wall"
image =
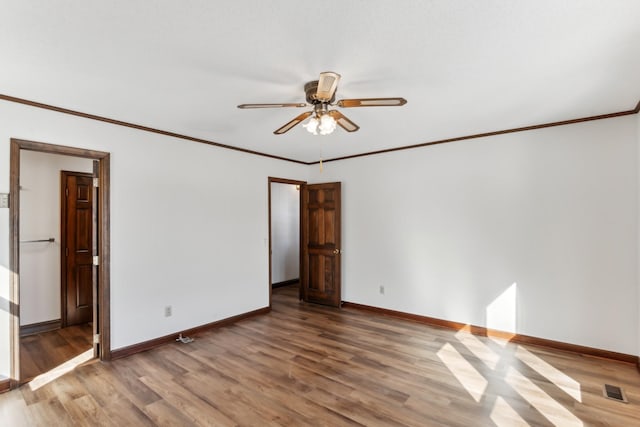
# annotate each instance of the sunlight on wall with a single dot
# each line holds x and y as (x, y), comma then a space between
(560, 379)
(464, 372)
(501, 313)
(60, 370)
(5, 278)
(5, 322)
(557, 414)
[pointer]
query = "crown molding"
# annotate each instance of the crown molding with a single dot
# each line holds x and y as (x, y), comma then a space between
(140, 127)
(486, 134)
(35, 104)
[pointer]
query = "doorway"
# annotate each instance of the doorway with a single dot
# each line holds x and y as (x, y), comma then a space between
(319, 241)
(100, 324)
(284, 233)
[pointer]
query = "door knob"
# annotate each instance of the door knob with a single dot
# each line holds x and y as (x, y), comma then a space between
(336, 251)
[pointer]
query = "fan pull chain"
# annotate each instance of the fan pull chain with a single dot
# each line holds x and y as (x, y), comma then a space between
(320, 165)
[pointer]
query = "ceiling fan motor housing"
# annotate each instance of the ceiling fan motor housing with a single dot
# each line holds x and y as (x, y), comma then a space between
(311, 89)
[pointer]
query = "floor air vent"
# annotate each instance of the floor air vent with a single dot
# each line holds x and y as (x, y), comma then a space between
(615, 393)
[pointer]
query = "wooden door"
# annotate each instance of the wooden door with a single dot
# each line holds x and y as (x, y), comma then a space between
(320, 244)
(77, 229)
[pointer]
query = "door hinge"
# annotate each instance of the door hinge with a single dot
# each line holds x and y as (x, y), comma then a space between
(66, 251)
(96, 260)
(96, 338)
(95, 182)
(66, 191)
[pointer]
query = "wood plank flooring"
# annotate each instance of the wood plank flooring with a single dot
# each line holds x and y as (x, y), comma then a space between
(308, 365)
(42, 352)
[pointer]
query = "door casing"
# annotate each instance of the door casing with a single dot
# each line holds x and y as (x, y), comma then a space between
(103, 295)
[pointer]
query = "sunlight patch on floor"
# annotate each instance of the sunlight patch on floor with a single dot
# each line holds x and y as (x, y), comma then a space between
(502, 342)
(503, 415)
(553, 411)
(465, 373)
(501, 323)
(60, 370)
(555, 376)
(478, 348)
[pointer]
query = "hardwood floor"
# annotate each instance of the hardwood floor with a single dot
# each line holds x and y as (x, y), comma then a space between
(312, 365)
(42, 352)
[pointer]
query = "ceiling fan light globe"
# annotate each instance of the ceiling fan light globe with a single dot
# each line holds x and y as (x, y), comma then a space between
(327, 124)
(312, 125)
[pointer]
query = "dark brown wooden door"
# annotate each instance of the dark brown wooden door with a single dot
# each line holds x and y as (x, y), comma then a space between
(320, 244)
(77, 248)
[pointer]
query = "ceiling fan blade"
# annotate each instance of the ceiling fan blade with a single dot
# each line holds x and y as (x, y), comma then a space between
(371, 102)
(293, 122)
(243, 106)
(327, 85)
(343, 122)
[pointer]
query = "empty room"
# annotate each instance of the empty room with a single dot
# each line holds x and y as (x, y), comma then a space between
(336, 213)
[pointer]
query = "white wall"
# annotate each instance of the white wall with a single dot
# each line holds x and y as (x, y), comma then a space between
(448, 230)
(40, 219)
(189, 224)
(285, 232)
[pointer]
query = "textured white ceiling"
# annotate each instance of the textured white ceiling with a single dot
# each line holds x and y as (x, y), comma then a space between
(465, 67)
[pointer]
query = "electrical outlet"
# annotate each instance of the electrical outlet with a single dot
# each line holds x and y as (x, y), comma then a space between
(167, 311)
(381, 290)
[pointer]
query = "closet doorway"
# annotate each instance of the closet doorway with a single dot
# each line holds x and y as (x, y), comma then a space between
(37, 257)
(284, 233)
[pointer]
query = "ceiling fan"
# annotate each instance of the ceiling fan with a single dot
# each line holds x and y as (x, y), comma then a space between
(320, 95)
